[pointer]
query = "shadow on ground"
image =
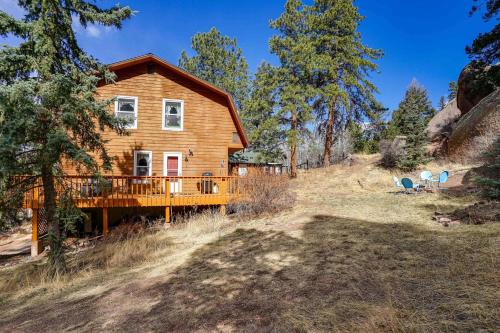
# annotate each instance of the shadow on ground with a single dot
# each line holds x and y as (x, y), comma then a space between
(341, 274)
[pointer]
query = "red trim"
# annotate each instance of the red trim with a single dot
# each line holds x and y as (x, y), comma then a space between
(151, 57)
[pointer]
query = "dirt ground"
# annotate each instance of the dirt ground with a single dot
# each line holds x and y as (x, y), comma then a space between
(352, 255)
(15, 246)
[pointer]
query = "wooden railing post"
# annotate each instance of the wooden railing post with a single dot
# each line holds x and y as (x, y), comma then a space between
(224, 194)
(36, 244)
(168, 195)
(105, 223)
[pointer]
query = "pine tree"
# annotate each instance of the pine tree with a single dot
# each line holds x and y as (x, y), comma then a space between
(262, 124)
(485, 48)
(410, 120)
(48, 110)
(340, 65)
(452, 90)
(442, 103)
(220, 61)
(294, 91)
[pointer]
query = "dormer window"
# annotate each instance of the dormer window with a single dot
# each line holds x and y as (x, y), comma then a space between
(173, 114)
(126, 108)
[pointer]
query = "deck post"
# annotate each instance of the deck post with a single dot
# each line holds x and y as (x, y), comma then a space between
(222, 210)
(105, 224)
(36, 244)
(167, 214)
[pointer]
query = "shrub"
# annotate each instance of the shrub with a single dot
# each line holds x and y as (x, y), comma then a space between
(490, 181)
(391, 151)
(261, 194)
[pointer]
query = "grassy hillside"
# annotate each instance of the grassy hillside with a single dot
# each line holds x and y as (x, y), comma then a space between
(350, 256)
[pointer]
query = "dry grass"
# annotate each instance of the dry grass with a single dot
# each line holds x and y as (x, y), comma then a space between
(127, 249)
(350, 256)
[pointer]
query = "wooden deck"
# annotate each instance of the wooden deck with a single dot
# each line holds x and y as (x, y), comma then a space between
(133, 191)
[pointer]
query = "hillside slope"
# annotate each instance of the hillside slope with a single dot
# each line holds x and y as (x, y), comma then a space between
(350, 256)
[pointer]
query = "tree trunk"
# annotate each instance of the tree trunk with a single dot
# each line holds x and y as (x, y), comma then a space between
(327, 155)
(56, 254)
(293, 147)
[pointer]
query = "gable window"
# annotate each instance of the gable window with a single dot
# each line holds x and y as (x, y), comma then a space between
(126, 108)
(173, 114)
(142, 163)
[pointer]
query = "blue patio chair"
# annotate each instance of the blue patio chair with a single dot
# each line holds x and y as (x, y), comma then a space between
(408, 185)
(443, 178)
(396, 181)
(426, 177)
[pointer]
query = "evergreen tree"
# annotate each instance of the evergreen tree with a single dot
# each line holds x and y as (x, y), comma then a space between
(340, 65)
(491, 181)
(452, 90)
(220, 61)
(262, 124)
(356, 134)
(294, 91)
(485, 48)
(442, 103)
(48, 109)
(410, 120)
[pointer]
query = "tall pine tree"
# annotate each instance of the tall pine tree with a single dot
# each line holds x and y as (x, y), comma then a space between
(262, 124)
(410, 120)
(48, 109)
(294, 90)
(220, 61)
(340, 64)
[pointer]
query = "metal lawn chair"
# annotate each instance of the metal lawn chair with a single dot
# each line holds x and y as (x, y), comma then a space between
(396, 181)
(443, 178)
(426, 178)
(408, 185)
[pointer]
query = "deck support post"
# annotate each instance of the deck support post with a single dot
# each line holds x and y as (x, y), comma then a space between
(36, 244)
(167, 214)
(105, 223)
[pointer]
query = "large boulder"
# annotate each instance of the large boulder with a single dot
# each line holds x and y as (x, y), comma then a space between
(475, 82)
(440, 128)
(442, 123)
(476, 131)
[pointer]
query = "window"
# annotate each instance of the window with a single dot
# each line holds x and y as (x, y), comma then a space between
(242, 170)
(142, 163)
(126, 108)
(173, 113)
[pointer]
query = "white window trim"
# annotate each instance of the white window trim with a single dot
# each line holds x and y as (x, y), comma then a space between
(134, 125)
(165, 128)
(165, 166)
(150, 153)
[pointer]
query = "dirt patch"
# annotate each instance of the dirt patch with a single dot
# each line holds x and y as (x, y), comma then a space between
(479, 213)
(15, 246)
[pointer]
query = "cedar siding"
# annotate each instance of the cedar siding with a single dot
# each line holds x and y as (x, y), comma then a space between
(209, 123)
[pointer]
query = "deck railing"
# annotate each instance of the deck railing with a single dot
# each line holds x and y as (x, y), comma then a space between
(125, 191)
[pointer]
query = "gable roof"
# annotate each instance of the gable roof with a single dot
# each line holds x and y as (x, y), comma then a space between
(155, 59)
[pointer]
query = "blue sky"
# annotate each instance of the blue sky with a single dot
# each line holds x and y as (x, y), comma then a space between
(421, 39)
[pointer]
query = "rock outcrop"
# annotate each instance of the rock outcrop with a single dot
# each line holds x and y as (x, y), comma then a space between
(440, 128)
(475, 132)
(475, 83)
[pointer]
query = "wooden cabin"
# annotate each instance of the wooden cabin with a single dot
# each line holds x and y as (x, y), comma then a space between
(247, 163)
(182, 132)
